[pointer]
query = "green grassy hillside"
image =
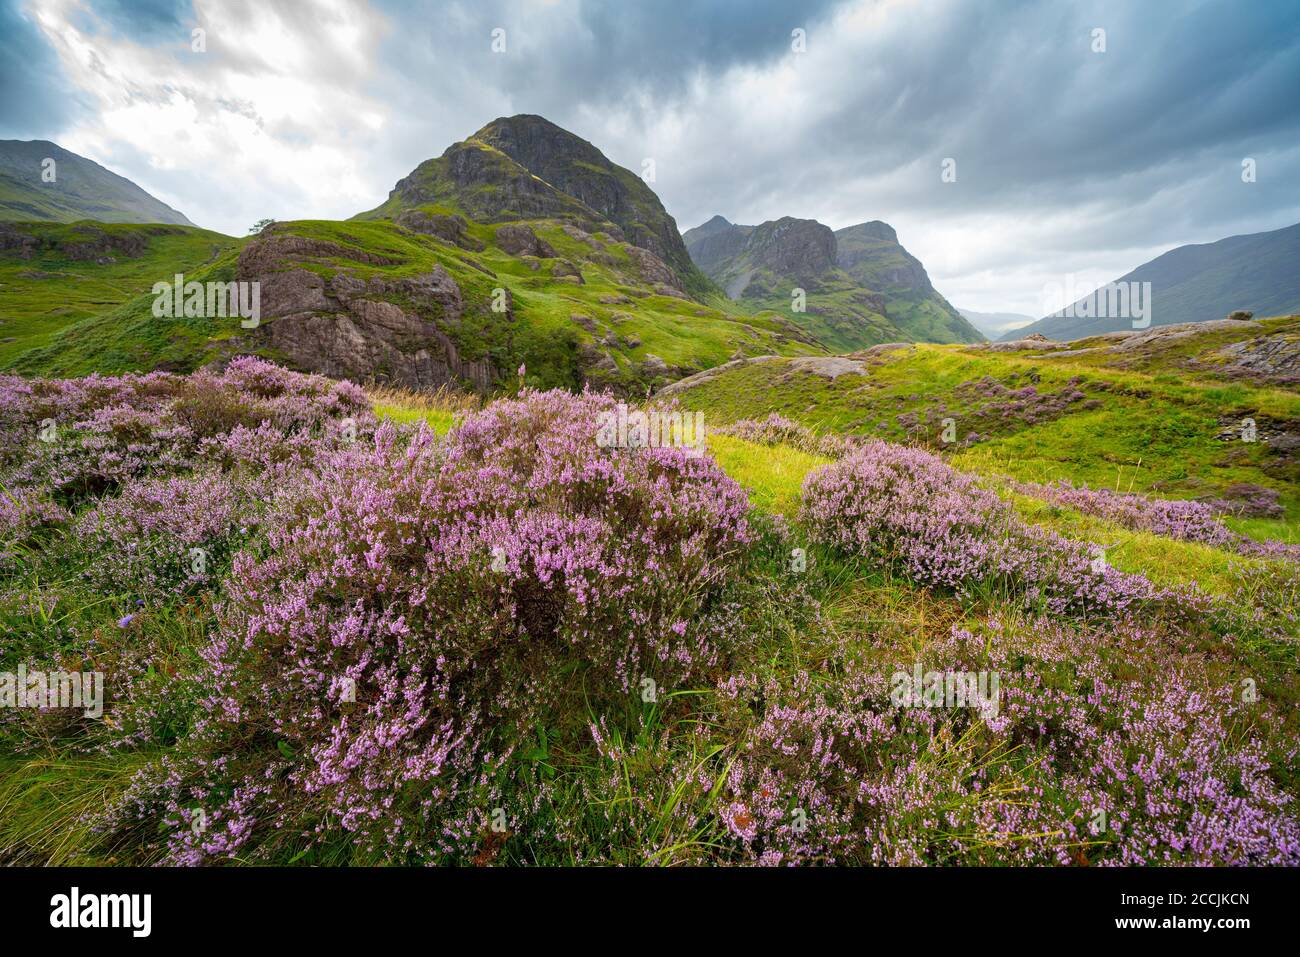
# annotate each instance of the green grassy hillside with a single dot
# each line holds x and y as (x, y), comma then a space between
(54, 276)
(1143, 423)
(70, 189)
(609, 328)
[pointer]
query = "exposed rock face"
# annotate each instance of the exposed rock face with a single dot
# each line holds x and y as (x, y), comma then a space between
(451, 229)
(15, 242)
(522, 241)
(1274, 358)
(1035, 341)
(577, 168)
(717, 241)
(860, 278)
(681, 385)
(799, 248)
(525, 167)
(656, 272)
(351, 328)
(88, 243)
(563, 269)
(871, 254)
(830, 367)
(1160, 336)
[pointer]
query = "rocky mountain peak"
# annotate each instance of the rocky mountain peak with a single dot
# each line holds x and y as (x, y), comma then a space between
(526, 167)
(798, 248)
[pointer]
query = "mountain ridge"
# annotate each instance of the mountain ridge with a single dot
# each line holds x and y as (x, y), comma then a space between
(1198, 282)
(526, 167)
(82, 189)
(863, 287)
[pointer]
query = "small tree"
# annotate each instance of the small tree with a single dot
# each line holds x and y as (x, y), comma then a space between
(260, 225)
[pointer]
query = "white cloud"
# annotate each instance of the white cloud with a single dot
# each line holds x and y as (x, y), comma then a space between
(269, 121)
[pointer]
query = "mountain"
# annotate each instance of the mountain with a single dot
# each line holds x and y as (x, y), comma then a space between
(994, 324)
(519, 246)
(525, 167)
(861, 286)
(1256, 272)
(82, 189)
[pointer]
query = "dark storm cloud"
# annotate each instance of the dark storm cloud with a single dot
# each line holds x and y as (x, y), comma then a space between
(592, 50)
(1012, 91)
(34, 97)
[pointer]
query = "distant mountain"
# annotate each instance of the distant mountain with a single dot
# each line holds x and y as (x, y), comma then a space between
(520, 246)
(82, 189)
(995, 324)
(525, 167)
(862, 287)
(1259, 272)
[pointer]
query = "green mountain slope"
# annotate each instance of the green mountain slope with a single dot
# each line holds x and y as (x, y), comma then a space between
(1259, 272)
(55, 275)
(474, 266)
(861, 286)
(376, 301)
(1161, 414)
(82, 189)
(525, 167)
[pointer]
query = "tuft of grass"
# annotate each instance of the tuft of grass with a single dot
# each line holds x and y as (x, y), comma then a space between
(440, 409)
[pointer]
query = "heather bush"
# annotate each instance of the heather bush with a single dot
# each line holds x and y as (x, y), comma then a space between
(79, 439)
(1138, 760)
(421, 603)
(1183, 519)
(907, 508)
(776, 429)
(514, 644)
(165, 536)
(24, 513)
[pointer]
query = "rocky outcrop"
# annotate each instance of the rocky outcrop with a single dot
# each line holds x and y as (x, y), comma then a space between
(656, 272)
(84, 244)
(450, 229)
(1035, 342)
(699, 378)
(376, 329)
(522, 241)
(829, 367)
(1274, 358)
(16, 242)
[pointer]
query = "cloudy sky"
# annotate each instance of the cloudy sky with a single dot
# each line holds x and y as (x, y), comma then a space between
(1073, 163)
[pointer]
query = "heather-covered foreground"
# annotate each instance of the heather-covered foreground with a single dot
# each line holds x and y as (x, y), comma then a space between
(329, 636)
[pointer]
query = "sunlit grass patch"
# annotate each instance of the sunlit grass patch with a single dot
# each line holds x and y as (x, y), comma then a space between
(772, 474)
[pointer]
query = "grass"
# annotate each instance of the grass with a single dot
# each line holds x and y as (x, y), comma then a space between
(560, 329)
(47, 799)
(1150, 432)
(440, 409)
(42, 296)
